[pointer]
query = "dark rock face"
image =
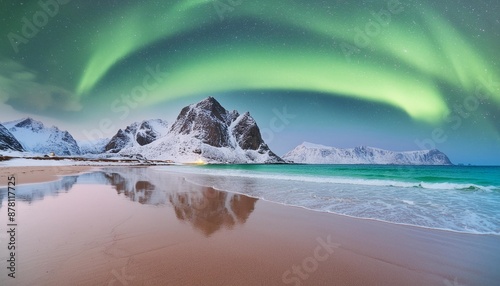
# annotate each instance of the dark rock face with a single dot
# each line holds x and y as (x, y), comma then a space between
(203, 132)
(207, 120)
(8, 141)
(147, 133)
(31, 124)
(247, 133)
(214, 125)
(118, 142)
(142, 133)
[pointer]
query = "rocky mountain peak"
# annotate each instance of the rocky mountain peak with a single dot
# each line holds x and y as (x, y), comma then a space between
(137, 133)
(247, 132)
(37, 138)
(208, 132)
(8, 141)
(212, 106)
(206, 120)
(29, 123)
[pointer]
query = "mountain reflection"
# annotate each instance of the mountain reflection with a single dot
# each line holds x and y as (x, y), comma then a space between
(206, 209)
(34, 192)
(209, 210)
(137, 191)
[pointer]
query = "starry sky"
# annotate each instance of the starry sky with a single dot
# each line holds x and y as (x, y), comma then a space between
(398, 75)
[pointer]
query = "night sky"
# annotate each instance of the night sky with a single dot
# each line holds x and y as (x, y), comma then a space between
(404, 75)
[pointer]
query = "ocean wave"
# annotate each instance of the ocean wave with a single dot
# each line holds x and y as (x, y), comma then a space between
(444, 206)
(342, 180)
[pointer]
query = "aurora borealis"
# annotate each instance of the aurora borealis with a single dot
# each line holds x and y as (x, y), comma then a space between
(380, 73)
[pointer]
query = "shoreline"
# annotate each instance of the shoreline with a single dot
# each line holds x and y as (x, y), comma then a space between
(276, 245)
(448, 241)
(325, 211)
(45, 174)
(371, 219)
(40, 174)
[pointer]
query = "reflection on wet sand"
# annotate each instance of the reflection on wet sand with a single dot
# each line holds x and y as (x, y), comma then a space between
(34, 192)
(140, 191)
(208, 210)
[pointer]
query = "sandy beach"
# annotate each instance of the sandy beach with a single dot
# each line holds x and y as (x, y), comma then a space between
(201, 236)
(38, 174)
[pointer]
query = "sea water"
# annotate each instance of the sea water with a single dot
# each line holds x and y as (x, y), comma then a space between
(456, 198)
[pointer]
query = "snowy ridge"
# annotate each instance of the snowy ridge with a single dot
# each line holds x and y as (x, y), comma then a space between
(206, 132)
(137, 134)
(94, 146)
(37, 138)
(309, 153)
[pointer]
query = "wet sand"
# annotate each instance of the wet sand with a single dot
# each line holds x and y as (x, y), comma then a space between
(129, 234)
(29, 175)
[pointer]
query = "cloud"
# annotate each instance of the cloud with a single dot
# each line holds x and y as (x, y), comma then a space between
(21, 89)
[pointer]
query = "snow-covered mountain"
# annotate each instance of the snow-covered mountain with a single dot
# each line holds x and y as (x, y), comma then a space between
(8, 141)
(94, 146)
(137, 134)
(207, 132)
(308, 153)
(37, 138)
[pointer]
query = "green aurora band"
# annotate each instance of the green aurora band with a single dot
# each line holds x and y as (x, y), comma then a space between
(426, 56)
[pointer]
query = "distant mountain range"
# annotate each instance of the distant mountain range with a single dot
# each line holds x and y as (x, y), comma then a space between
(202, 132)
(36, 138)
(308, 153)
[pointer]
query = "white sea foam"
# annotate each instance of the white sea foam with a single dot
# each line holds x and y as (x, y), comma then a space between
(447, 206)
(334, 180)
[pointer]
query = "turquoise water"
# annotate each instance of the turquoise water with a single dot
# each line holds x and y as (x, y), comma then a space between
(465, 176)
(456, 198)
